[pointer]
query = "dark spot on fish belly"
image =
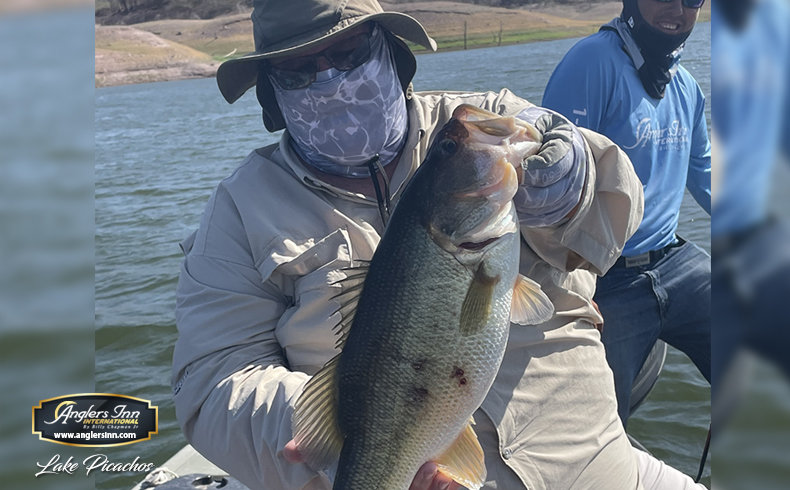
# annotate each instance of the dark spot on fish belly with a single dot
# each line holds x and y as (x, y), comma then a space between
(419, 395)
(458, 373)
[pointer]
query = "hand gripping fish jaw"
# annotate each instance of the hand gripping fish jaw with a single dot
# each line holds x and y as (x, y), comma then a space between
(474, 160)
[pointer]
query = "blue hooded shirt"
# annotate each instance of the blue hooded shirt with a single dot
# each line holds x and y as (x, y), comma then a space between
(596, 86)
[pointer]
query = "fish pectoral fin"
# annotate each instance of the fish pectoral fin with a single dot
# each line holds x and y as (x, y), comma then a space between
(316, 432)
(530, 304)
(463, 461)
(476, 307)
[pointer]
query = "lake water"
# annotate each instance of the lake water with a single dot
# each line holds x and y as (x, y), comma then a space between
(162, 148)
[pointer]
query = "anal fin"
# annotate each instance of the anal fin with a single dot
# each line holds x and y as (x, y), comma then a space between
(463, 461)
(530, 304)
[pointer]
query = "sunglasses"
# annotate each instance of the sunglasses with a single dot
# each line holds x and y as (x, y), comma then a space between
(344, 55)
(692, 4)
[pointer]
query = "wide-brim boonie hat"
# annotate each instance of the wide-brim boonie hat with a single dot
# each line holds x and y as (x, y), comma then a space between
(288, 27)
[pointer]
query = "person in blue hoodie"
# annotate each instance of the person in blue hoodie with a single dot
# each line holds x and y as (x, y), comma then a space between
(625, 81)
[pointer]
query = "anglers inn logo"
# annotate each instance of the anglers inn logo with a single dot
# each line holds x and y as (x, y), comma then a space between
(95, 419)
(672, 137)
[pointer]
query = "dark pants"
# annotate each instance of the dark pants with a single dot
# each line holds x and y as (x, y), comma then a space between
(667, 299)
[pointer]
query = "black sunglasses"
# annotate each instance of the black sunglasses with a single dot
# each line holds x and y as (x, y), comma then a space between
(344, 55)
(692, 4)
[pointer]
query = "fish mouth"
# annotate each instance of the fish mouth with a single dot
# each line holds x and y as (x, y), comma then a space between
(506, 139)
(501, 184)
(498, 225)
(476, 247)
(491, 148)
(501, 143)
(490, 128)
(479, 237)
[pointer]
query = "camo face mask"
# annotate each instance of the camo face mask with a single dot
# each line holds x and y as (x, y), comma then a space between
(344, 118)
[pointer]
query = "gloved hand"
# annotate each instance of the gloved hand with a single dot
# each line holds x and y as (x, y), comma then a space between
(550, 181)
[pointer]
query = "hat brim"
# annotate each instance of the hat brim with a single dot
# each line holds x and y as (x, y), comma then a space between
(236, 76)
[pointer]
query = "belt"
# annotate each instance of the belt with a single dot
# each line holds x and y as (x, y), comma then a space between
(648, 257)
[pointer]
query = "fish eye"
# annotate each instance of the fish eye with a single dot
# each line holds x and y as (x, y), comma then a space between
(448, 145)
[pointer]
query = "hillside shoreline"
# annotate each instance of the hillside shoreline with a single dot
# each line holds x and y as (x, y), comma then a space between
(178, 49)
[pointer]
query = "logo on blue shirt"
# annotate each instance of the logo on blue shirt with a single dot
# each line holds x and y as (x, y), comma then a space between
(673, 137)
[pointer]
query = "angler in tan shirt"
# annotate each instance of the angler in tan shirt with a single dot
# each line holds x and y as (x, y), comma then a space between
(254, 304)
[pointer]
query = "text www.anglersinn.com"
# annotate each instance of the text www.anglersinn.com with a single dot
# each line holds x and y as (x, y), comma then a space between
(94, 435)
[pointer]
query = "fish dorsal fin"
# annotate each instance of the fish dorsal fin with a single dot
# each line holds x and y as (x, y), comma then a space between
(351, 288)
(476, 307)
(316, 431)
(463, 461)
(530, 304)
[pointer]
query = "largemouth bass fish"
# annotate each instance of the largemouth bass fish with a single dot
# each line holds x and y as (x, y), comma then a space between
(426, 322)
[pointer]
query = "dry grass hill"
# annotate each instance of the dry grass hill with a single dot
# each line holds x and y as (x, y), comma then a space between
(173, 49)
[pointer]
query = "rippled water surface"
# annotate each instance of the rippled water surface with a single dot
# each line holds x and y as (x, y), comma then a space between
(162, 148)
